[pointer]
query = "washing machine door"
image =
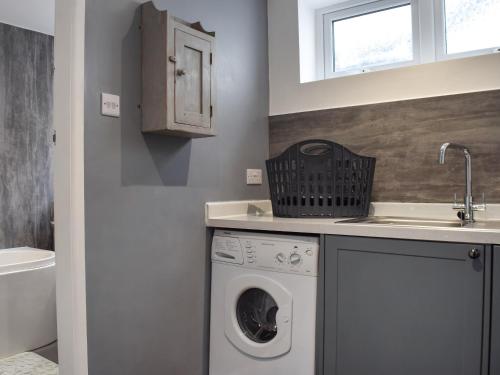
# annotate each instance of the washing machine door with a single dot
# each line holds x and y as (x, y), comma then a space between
(258, 316)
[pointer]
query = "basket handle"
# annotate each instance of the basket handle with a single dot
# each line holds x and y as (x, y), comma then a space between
(315, 148)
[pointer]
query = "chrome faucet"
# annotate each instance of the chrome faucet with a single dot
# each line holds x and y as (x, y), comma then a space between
(467, 208)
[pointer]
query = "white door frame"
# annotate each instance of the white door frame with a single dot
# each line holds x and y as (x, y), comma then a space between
(68, 186)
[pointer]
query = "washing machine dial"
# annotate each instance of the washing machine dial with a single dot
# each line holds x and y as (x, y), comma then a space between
(280, 258)
(295, 259)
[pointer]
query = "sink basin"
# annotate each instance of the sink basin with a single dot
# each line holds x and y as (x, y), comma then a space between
(381, 220)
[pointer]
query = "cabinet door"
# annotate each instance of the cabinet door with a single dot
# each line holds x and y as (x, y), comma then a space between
(192, 79)
(495, 315)
(402, 307)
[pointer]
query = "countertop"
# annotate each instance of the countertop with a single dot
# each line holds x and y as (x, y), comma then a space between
(257, 215)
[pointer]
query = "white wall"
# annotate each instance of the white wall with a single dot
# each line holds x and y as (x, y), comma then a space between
(36, 15)
(289, 96)
(307, 41)
(69, 205)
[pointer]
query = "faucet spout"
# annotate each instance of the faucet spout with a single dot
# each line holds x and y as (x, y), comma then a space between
(446, 146)
(468, 200)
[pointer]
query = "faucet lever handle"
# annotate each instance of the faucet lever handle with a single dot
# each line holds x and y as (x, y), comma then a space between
(456, 205)
(480, 207)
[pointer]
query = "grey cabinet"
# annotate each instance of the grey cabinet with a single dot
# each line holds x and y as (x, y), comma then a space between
(395, 307)
(178, 75)
(495, 315)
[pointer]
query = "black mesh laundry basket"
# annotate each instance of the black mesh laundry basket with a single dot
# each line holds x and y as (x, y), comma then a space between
(318, 178)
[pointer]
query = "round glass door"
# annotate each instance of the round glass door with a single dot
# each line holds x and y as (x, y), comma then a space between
(256, 312)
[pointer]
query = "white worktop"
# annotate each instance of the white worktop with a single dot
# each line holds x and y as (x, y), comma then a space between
(257, 215)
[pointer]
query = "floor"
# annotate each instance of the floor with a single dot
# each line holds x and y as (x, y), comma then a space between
(27, 364)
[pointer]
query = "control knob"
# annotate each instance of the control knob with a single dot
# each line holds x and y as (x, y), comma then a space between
(295, 259)
(280, 258)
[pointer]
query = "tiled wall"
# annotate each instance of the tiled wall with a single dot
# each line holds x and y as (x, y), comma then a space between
(26, 194)
(405, 137)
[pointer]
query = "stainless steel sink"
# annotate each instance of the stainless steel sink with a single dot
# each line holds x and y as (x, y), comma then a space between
(403, 221)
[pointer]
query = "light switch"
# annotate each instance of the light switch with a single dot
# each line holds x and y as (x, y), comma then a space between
(254, 176)
(110, 105)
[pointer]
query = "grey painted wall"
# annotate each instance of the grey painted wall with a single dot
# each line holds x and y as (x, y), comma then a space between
(26, 195)
(146, 244)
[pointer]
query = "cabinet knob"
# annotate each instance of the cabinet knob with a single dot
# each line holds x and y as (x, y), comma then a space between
(181, 72)
(474, 253)
(172, 59)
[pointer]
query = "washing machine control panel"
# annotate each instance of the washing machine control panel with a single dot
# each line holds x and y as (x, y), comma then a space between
(227, 249)
(282, 253)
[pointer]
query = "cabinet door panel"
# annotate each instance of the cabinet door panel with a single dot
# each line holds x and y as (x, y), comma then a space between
(495, 315)
(192, 82)
(402, 307)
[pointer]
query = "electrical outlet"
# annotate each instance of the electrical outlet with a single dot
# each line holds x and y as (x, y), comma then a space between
(254, 176)
(110, 105)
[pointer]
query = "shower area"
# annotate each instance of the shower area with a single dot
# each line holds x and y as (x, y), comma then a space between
(28, 329)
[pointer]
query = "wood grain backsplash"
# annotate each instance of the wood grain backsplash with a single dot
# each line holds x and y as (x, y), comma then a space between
(405, 137)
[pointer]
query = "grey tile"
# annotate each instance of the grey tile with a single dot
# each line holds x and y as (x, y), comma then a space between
(26, 104)
(27, 364)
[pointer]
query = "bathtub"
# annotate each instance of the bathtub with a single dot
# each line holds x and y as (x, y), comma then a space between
(27, 300)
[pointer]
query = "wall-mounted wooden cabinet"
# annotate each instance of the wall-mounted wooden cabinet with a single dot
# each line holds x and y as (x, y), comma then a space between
(178, 76)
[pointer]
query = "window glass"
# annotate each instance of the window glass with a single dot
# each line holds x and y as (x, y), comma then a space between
(256, 313)
(380, 38)
(472, 25)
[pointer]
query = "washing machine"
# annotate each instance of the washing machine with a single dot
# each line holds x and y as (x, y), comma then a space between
(263, 305)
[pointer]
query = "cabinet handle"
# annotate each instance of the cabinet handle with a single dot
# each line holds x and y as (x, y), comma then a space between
(474, 253)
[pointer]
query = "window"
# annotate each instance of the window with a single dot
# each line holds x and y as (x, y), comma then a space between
(471, 25)
(357, 36)
(373, 39)
(256, 313)
(367, 37)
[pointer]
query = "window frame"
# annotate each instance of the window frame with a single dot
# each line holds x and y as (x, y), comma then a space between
(428, 32)
(355, 8)
(440, 37)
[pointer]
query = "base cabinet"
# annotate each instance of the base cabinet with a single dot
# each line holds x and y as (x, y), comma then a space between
(495, 315)
(394, 307)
